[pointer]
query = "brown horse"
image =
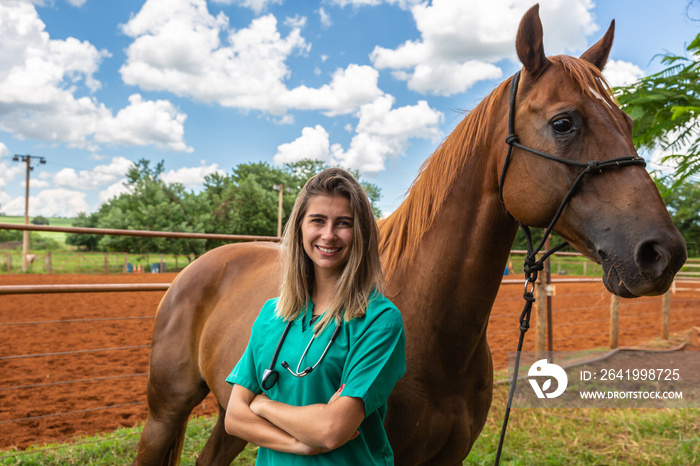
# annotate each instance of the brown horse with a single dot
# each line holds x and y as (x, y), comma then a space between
(444, 251)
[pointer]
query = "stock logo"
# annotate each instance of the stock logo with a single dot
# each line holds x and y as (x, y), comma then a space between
(542, 368)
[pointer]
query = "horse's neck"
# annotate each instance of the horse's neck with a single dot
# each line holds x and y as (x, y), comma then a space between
(450, 284)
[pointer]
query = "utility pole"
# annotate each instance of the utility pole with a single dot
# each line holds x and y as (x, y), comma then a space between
(25, 240)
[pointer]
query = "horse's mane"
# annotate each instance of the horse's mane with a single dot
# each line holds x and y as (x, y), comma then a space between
(587, 77)
(402, 231)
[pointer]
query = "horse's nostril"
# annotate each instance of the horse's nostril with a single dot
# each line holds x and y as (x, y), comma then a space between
(651, 259)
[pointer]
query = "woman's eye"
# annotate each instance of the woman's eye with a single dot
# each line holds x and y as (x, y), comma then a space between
(562, 125)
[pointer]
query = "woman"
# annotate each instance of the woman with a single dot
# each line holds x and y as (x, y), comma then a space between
(340, 342)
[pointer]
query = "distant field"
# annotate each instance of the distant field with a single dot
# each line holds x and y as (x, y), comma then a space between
(56, 222)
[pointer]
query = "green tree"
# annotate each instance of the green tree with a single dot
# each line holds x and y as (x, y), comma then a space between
(246, 202)
(40, 220)
(665, 107)
(683, 202)
(83, 241)
(149, 204)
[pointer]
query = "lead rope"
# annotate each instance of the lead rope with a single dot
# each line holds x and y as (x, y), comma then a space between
(532, 265)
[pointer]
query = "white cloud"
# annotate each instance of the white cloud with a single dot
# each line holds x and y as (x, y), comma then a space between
(178, 47)
(297, 22)
(114, 190)
(77, 3)
(49, 203)
(621, 73)
(349, 88)
(462, 40)
(191, 177)
(37, 184)
(8, 170)
(325, 18)
(41, 82)
(255, 5)
(381, 133)
(403, 4)
(145, 122)
(99, 176)
(312, 144)
(448, 78)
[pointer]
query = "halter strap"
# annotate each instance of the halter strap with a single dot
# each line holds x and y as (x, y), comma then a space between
(590, 167)
(532, 265)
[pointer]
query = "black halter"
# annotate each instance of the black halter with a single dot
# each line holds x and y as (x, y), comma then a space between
(532, 265)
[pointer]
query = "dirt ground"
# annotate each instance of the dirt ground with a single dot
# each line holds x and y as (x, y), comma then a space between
(100, 384)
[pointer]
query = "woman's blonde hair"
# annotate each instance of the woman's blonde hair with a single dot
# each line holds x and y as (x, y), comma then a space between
(362, 272)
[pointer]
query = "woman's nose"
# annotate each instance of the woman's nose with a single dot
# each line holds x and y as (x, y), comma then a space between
(328, 232)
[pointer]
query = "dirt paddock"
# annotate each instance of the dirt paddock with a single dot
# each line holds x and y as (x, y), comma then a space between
(75, 364)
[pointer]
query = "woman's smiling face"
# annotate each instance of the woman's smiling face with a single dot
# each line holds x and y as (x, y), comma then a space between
(327, 233)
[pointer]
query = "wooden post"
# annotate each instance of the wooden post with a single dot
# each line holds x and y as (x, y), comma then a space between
(541, 325)
(614, 319)
(126, 262)
(106, 263)
(665, 314)
(9, 263)
(279, 210)
(161, 266)
(47, 263)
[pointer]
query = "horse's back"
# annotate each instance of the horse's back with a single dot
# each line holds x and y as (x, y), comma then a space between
(203, 322)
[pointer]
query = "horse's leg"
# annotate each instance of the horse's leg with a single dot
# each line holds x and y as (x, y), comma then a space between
(221, 448)
(171, 398)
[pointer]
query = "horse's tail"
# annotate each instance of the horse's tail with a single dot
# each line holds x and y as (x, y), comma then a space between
(175, 451)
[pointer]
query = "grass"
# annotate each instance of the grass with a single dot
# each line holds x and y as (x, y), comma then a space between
(589, 436)
(534, 437)
(85, 262)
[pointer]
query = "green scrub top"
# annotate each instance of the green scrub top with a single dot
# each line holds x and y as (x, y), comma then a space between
(368, 356)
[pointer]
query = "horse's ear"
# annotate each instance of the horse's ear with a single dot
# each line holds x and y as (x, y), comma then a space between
(528, 42)
(598, 54)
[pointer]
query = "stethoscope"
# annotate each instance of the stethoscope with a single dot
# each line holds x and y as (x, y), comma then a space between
(270, 375)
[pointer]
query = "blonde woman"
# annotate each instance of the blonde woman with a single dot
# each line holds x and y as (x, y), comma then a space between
(312, 385)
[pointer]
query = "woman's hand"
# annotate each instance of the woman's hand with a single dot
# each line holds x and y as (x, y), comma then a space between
(257, 404)
(336, 395)
(307, 450)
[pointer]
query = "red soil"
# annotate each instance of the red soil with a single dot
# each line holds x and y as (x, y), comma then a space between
(107, 389)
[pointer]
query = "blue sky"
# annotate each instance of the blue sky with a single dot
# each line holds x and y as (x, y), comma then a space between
(374, 85)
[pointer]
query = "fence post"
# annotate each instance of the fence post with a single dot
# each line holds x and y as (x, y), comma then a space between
(665, 314)
(614, 319)
(9, 263)
(161, 266)
(541, 325)
(47, 262)
(126, 262)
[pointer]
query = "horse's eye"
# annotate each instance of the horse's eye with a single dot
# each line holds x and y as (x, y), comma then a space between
(562, 125)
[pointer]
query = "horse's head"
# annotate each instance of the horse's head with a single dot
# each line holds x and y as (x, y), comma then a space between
(616, 216)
